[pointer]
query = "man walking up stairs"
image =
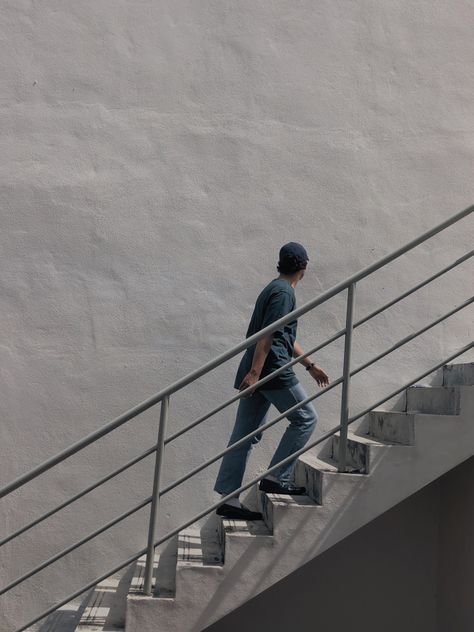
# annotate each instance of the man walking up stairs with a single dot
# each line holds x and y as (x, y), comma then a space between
(283, 391)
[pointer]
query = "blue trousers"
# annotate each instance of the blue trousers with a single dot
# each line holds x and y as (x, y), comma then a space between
(252, 413)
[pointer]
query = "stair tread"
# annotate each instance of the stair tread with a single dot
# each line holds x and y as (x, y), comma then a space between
(319, 463)
(98, 608)
(292, 501)
(196, 550)
(88, 627)
(368, 440)
(245, 528)
(379, 411)
(327, 464)
(98, 628)
(138, 579)
(443, 387)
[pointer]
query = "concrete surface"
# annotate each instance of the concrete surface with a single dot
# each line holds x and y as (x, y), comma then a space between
(155, 157)
(409, 569)
(302, 530)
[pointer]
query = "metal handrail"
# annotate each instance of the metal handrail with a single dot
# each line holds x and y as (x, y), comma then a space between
(74, 546)
(142, 456)
(163, 396)
(202, 514)
(318, 347)
(209, 366)
(303, 402)
(229, 448)
(80, 494)
(199, 420)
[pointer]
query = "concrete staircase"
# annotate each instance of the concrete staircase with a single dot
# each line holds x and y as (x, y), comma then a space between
(211, 573)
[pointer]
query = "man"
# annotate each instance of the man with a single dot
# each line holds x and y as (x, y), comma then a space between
(283, 391)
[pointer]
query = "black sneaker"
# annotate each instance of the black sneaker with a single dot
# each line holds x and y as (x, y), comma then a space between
(272, 487)
(238, 513)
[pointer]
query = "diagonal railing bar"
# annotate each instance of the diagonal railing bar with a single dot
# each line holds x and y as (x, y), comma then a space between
(315, 349)
(403, 341)
(212, 364)
(384, 307)
(413, 289)
(77, 544)
(83, 492)
(164, 395)
(229, 448)
(242, 393)
(224, 499)
(310, 398)
(216, 457)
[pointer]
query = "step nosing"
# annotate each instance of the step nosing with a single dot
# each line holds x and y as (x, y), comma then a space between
(296, 500)
(363, 439)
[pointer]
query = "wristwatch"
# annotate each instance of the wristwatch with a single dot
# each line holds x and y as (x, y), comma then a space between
(309, 366)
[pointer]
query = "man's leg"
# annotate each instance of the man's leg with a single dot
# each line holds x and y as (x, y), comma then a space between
(251, 413)
(302, 423)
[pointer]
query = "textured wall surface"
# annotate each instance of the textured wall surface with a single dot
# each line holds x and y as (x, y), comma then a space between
(154, 158)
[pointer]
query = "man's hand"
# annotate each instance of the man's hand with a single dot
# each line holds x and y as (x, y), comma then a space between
(319, 375)
(250, 379)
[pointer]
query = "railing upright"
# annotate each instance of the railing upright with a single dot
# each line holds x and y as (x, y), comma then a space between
(346, 377)
(150, 554)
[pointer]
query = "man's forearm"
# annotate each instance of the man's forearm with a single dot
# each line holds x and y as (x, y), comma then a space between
(260, 354)
(297, 351)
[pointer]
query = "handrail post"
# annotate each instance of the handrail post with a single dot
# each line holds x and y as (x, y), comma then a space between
(150, 554)
(346, 376)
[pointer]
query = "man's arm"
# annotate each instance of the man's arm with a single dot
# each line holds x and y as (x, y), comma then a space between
(259, 356)
(315, 371)
(279, 304)
(297, 351)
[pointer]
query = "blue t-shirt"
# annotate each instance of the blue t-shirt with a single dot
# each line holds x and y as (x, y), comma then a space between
(275, 300)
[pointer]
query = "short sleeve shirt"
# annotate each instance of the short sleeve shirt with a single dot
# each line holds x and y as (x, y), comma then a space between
(275, 300)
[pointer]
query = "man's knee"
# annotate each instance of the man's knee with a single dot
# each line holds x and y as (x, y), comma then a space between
(305, 417)
(314, 414)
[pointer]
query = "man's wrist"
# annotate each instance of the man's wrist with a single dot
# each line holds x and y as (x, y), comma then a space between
(309, 365)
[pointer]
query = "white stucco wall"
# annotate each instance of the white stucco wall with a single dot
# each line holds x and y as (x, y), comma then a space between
(155, 157)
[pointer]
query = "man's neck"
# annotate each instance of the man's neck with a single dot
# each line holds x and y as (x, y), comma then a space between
(291, 279)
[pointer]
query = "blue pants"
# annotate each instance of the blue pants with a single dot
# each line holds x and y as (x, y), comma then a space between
(252, 413)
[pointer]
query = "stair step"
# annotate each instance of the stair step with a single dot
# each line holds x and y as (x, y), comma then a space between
(297, 528)
(199, 564)
(98, 628)
(97, 611)
(438, 400)
(313, 472)
(392, 426)
(162, 582)
(278, 509)
(358, 453)
(236, 537)
(196, 550)
(242, 528)
(462, 373)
